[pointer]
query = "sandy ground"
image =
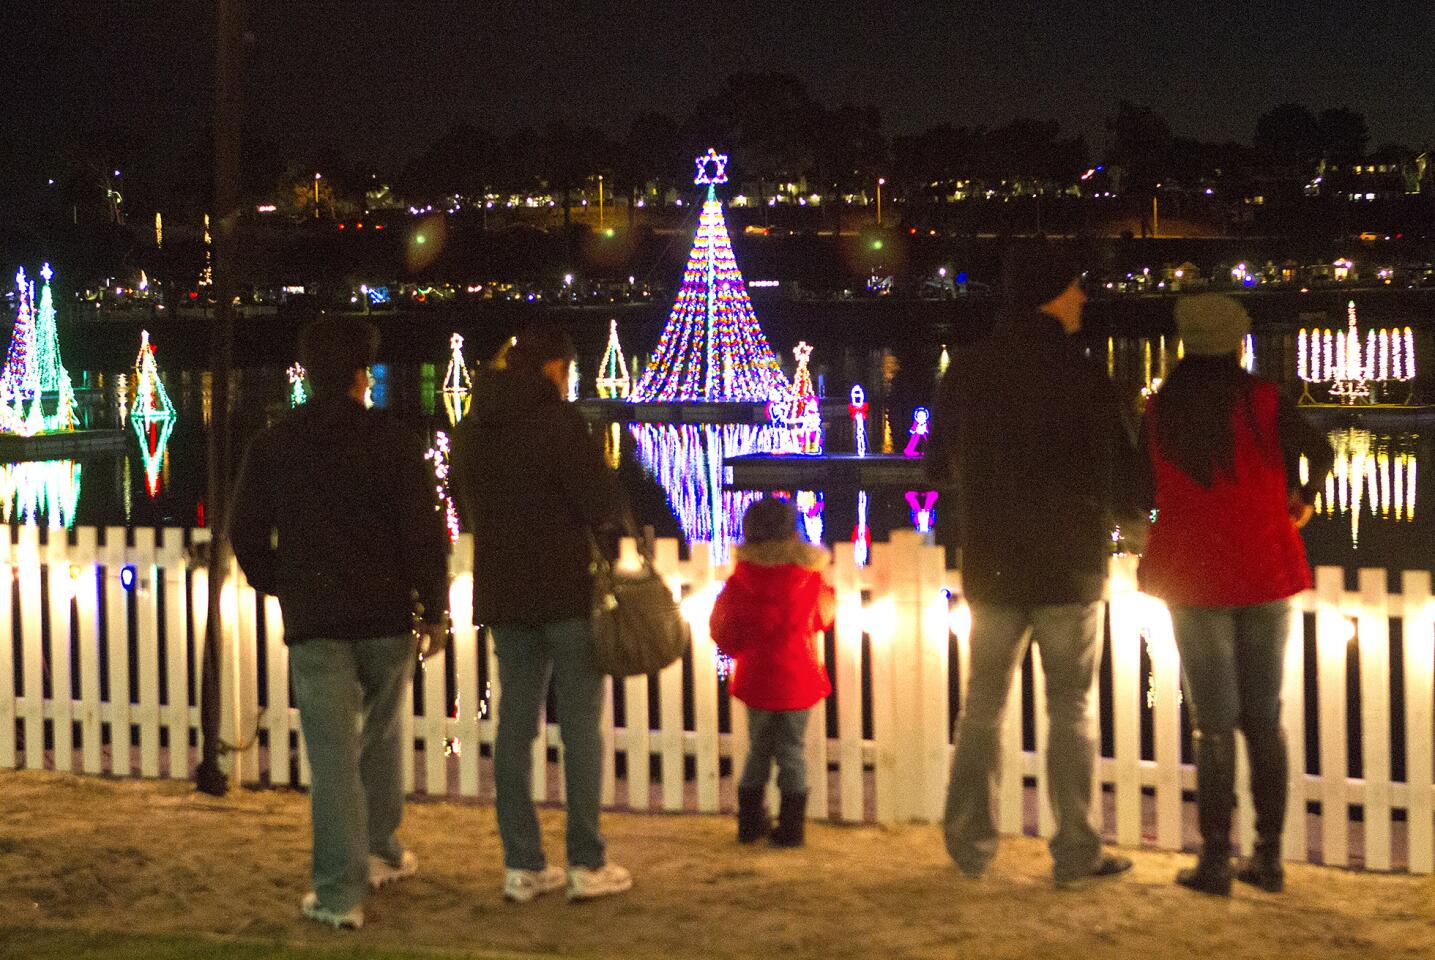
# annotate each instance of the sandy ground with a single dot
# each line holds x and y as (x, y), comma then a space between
(112, 855)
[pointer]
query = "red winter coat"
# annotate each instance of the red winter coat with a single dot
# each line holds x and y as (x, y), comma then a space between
(767, 618)
(1233, 543)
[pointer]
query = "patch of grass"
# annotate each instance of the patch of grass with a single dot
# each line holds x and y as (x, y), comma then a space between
(34, 943)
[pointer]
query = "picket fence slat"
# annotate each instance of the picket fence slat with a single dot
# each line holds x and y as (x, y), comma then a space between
(1374, 639)
(1332, 636)
(147, 642)
(276, 715)
(1166, 723)
(1126, 715)
(9, 704)
(1418, 634)
(847, 635)
(465, 669)
(87, 615)
(176, 613)
(32, 704)
(60, 588)
(77, 605)
(1295, 845)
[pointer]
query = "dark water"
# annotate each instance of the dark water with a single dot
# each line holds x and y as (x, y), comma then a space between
(1376, 510)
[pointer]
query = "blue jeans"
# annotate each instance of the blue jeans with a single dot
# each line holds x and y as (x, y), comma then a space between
(1068, 636)
(349, 694)
(528, 656)
(1233, 659)
(776, 735)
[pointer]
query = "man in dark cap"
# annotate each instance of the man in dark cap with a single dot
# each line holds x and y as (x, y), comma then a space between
(336, 513)
(1025, 439)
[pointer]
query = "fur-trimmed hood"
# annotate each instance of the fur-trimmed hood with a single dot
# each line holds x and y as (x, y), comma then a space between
(777, 553)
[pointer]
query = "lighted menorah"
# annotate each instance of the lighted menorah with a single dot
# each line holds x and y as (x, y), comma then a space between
(1356, 371)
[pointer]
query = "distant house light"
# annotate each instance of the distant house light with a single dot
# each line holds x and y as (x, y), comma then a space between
(265, 208)
(764, 283)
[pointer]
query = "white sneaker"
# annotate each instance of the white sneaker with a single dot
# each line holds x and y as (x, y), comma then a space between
(522, 886)
(352, 920)
(586, 884)
(382, 873)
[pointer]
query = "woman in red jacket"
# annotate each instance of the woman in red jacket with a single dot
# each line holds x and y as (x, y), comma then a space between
(1225, 553)
(767, 619)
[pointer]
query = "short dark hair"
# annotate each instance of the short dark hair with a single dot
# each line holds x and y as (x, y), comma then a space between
(333, 348)
(769, 520)
(538, 344)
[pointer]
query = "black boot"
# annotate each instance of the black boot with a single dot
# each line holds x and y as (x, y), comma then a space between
(791, 819)
(753, 823)
(1215, 805)
(1269, 789)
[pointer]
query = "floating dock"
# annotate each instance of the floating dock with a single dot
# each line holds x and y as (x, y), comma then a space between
(779, 471)
(689, 412)
(1382, 414)
(62, 446)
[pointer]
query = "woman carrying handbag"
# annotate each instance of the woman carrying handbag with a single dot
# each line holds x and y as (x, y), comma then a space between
(532, 486)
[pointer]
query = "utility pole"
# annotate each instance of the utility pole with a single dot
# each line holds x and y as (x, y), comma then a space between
(229, 100)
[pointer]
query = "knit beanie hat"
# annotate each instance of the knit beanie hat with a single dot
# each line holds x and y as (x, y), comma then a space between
(1036, 271)
(1211, 324)
(769, 520)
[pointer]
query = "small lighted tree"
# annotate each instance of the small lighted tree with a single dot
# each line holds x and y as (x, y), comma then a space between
(613, 381)
(457, 382)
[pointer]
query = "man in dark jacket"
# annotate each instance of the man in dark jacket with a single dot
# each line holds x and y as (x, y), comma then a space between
(533, 487)
(336, 514)
(1027, 435)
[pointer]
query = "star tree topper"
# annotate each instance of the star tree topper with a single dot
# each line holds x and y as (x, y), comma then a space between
(719, 164)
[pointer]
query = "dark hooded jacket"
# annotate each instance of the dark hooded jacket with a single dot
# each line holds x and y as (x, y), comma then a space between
(1030, 447)
(355, 507)
(531, 484)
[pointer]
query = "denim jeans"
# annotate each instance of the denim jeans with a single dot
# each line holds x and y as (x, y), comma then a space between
(1068, 636)
(528, 656)
(1233, 659)
(350, 694)
(776, 735)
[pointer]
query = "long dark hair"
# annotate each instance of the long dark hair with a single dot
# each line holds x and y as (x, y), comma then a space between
(1193, 415)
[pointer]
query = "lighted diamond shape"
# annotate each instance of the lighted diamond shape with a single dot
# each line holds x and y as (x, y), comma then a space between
(719, 164)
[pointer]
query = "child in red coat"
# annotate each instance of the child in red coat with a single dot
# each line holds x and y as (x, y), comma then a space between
(767, 619)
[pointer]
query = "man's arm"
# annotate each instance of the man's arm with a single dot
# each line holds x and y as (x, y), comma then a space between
(252, 518)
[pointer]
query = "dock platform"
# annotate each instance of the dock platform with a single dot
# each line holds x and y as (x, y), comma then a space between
(769, 471)
(62, 446)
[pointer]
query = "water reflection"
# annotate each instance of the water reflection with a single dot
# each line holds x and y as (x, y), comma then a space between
(1374, 474)
(687, 461)
(39, 491)
(153, 436)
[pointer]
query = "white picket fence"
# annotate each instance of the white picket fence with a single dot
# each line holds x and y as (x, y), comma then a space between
(115, 625)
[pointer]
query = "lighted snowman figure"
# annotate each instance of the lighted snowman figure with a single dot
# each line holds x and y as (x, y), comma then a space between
(858, 409)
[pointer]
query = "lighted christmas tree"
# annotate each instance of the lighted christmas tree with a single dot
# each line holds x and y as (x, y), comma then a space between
(33, 370)
(152, 402)
(712, 348)
(22, 343)
(613, 378)
(298, 392)
(457, 383)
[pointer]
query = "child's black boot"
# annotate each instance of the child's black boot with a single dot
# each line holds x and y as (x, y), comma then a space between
(791, 819)
(753, 823)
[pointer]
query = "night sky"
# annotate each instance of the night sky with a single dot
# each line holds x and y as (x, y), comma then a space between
(395, 74)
